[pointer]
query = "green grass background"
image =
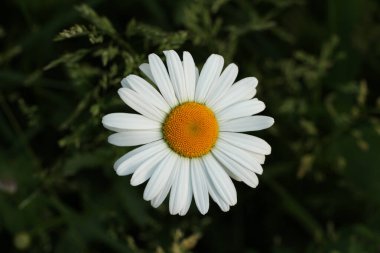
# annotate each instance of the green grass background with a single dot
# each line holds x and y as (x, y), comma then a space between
(317, 62)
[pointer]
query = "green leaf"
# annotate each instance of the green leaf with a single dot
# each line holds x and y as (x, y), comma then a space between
(68, 58)
(100, 22)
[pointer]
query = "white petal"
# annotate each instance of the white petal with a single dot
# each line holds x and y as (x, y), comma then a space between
(241, 109)
(157, 201)
(247, 142)
(129, 162)
(242, 90)
(146, 169)
(160, 176)
(199, 184)
(145, 89)
(222, 182)
(242, 173)
(223, 83)
(241, 156)
(216, 197)
(196, 78)
(190, 74)
(120, 122)
(210, 73)
(231, 174)
(145, 68)
(180, 187)
(134, 137)
(177, 75)
(259, 157)
(247, 124)
(189, 196)
(161, 78)
(141, 104)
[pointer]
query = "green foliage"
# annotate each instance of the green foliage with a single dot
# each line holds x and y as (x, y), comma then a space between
(61, 66)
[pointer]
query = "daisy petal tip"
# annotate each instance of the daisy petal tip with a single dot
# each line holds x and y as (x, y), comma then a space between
(118, 170)
(134, 182)
(153, 56)
(146, 197)
(255, 80)
(104, 119)
(167, 53)
(115, 167)
(120, 91)
(271, 121)
(269, 151)
(129, 77)
(220, 58)
(107, 118)
(154, 203)
(110, 140)
(234, 67)
(217, 55)
(143, 65)
(170, 51)
(124, 82)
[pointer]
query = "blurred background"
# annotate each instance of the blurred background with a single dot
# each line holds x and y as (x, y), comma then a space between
(317, 62)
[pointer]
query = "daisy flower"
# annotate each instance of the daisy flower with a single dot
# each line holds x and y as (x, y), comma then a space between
(189, 129)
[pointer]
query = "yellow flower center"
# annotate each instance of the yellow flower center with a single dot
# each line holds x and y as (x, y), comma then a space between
(191, 129)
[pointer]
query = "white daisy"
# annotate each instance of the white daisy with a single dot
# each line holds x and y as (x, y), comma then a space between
(189, 129)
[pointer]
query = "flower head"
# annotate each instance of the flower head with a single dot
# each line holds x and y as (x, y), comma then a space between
(189, 129)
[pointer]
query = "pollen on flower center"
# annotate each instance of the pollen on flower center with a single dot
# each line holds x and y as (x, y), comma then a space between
(191, 129)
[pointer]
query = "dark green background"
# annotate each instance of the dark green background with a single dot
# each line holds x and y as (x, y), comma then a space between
(318, 68)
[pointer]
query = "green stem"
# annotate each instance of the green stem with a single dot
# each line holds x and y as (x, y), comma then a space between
(16, 126)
